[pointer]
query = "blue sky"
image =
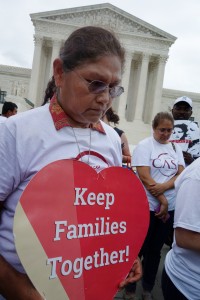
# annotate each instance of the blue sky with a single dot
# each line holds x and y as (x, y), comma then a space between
(177, 17)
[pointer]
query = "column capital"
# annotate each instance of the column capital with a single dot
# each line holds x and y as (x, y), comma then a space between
(137, 63)
(144, 56)
(38, 40)
(162, 59)
(129, 55)
(56, 42)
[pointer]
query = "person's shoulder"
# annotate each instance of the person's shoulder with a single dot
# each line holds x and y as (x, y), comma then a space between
(2, 119)
(27, 119)
(28, 114)
(119, 131)
(192, 172)
(145, 141)
(109, 130)
(107, 127)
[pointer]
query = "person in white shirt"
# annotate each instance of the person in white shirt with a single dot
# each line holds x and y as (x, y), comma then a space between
(2, 119)
(158, 163)
(182, 110)
(181, 273)
(87, 78)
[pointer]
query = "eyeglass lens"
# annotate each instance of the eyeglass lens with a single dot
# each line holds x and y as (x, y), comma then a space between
(98, 87)
(165, 129)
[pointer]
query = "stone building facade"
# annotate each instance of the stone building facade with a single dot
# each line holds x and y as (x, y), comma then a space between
(147, 49)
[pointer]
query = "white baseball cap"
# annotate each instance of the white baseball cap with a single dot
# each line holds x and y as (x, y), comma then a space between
(184, 99)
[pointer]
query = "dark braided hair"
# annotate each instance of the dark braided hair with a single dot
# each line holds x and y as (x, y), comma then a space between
(50, 90)
(112, 116)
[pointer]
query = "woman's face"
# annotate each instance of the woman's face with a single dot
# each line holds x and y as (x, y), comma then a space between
(163, 131)
(193, 131)
(178, 133)
(82, 106)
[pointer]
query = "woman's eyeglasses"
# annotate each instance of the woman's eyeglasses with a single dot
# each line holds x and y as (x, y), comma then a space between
(162, 130)
(98, 87)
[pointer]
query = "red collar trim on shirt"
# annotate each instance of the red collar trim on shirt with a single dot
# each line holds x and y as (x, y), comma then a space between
(60, 118)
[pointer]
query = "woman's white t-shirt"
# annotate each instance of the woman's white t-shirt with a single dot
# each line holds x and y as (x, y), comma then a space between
(163, 161)
(28, 142)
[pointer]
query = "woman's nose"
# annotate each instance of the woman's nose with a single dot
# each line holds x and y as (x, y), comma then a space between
(104, 97)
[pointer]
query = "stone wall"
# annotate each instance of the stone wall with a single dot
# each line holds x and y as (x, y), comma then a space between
(15, 80)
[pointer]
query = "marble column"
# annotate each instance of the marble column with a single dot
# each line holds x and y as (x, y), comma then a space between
(125, 84)
(141, 89)
(132, 91)
(35, 73)
(55, 54)
(157, 96)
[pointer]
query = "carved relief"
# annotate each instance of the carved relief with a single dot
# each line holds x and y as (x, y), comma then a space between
(50, 29)
(19, 88)
(142, 43)
(104, 17)
(16, 71)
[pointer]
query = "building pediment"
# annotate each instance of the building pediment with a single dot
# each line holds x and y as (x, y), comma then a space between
(105, 15)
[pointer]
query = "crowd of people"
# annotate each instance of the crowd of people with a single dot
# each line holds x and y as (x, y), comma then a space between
(77, 115)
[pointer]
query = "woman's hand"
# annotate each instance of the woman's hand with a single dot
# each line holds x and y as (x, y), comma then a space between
(134, 275)
(126, 159)
(156, 189)
(163, 209)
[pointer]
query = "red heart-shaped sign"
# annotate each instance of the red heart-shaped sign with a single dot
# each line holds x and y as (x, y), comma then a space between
(78, 232)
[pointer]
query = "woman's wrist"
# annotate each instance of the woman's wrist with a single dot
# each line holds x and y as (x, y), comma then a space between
(163, 201)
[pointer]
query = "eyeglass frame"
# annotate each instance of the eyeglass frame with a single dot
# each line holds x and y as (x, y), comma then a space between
(106, 86)
(162, 130)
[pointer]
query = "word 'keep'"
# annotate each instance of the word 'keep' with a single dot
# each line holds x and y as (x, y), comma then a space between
(106, 199)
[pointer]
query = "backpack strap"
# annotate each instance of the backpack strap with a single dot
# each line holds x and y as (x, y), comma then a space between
(173, 146)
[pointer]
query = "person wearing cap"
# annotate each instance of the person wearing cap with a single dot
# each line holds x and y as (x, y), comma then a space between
(182, 110)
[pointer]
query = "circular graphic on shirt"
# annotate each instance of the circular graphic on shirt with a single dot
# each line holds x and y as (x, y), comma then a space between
(165, 164)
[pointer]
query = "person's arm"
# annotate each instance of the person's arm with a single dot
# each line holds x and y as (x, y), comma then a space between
(159, 188)
(148, 181)
(187, 239)
(188, 157)
(15, 285)
(126, 158)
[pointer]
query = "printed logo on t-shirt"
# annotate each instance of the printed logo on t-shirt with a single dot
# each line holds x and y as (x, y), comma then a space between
(165, 164)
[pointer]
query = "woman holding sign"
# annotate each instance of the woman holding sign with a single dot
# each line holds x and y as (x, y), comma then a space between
(87, 78)
(158, 163)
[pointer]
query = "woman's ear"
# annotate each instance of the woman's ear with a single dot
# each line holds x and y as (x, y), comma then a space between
(58, 71)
